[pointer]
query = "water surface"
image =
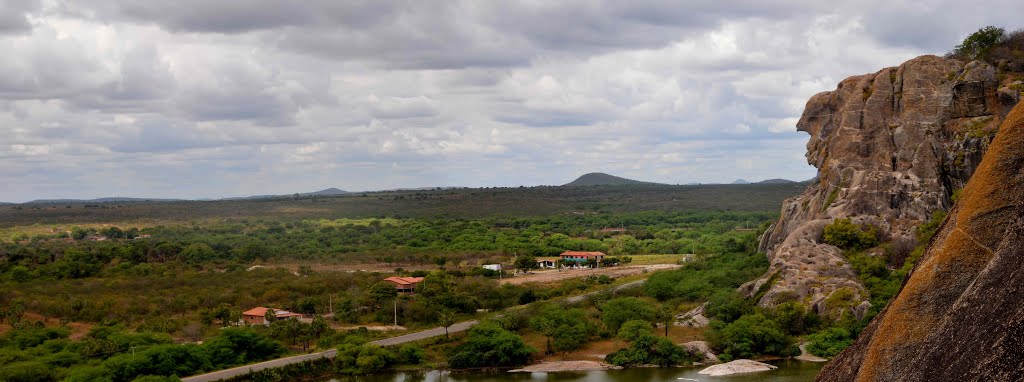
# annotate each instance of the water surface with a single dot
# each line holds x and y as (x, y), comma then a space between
(788, 371)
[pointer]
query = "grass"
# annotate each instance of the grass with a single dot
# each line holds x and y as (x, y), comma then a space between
(658, 259)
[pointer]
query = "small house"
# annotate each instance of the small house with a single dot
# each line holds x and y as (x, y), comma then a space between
(405, 284)
(547, 262)
(579, 258)
(258, 315)
(493, 267)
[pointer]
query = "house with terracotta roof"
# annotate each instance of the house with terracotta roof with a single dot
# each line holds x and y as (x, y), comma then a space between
(579, 258)
(258, 315)
(405, 284)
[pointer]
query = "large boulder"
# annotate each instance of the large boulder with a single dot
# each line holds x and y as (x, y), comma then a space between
(960, 314)
(891, 148)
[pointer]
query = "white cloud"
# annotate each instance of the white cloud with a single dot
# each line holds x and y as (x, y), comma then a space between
(207, 99)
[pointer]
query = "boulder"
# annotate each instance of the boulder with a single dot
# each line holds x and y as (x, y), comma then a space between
(701, 348)
(737, 367)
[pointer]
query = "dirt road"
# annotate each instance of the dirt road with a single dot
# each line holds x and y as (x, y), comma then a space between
(556, 275)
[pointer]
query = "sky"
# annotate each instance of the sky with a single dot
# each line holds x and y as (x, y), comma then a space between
(222, 98)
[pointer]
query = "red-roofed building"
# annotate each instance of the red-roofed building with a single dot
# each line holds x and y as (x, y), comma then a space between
(405, 284)
(577, 258)
(258, 315)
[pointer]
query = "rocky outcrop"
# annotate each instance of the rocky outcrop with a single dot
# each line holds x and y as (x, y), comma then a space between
(703, 350)
(890, 147)
(960, 314)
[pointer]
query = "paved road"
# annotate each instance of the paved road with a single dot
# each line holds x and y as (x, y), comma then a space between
(632, 284)
(435, 332)
(228, 373)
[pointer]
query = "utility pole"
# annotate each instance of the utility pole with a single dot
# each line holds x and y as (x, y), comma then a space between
(396, 312)
(330, 301)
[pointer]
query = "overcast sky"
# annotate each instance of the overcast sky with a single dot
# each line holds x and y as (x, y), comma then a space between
(209, 99)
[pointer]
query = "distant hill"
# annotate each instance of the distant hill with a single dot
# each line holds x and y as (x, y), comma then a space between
(100, 200)
(325, 192)
(602, 179)
(329, 191)
(776, 181)
(740, 181)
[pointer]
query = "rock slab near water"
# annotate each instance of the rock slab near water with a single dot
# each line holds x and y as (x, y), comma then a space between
(737, 367)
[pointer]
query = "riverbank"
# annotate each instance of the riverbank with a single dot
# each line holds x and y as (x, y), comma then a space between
(557, 366)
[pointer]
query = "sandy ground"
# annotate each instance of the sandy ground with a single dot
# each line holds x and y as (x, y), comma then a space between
(806, 356)
(556, 275)
(544, 367)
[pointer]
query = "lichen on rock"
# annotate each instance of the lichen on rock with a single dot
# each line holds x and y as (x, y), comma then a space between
(890, 148)
(960, 314)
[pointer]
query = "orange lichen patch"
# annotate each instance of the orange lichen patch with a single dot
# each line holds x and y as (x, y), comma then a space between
(959, 254)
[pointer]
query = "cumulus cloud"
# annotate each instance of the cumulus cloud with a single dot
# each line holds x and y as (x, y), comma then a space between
(221, 98)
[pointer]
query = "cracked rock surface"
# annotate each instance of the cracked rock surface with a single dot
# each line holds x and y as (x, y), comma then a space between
(890, 147)
(960, 314)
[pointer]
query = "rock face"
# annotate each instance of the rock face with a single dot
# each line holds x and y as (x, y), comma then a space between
(960, 315)
(890, 148)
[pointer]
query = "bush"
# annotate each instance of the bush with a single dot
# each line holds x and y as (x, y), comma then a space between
(750, 336)
(238, 346)
(829, 342)
(411, 355)
(617, 311)
(727, 306)
(488, 345)
(844, 234)
(362, 359)
(646, 348)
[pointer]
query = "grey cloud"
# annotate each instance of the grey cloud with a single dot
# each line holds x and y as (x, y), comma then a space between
(14, 15)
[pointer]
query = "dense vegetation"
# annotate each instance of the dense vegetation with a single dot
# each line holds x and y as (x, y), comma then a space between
(112, 354)
(467, 203)
(412, 241)
(183, 282)
(881, 267)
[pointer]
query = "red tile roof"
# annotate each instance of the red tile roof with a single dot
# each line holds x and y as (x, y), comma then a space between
(257, 311)
(582, 254)
(404, 280)
(261, 312)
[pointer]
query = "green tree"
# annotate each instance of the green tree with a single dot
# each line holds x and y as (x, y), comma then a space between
(565, 328)
(617, 311)
(645, 348)
(526, 262)
(488, 345)
(240, 345)
(446, 319)
(978, 45)
(829, 342)
(198, 253)
(381, 293)
(354, 359)
(750, 336)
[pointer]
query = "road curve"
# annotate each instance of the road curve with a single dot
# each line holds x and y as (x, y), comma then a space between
(421, 335)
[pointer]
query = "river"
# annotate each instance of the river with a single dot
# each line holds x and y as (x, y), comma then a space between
(788, 371)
